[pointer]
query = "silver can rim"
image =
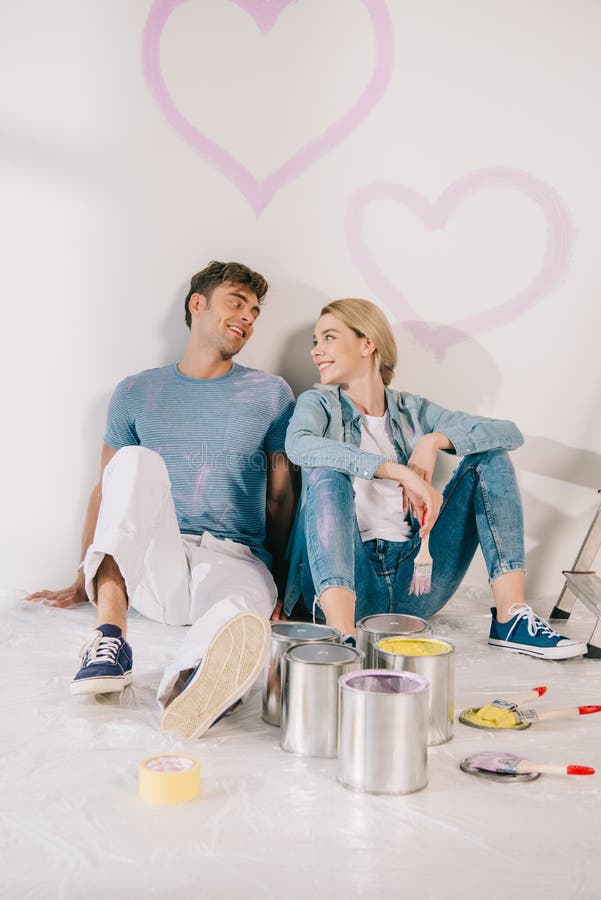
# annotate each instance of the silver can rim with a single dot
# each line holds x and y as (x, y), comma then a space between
(402, 637)
(363, 623)
(422, 684)
(359, 656)
(335, 633)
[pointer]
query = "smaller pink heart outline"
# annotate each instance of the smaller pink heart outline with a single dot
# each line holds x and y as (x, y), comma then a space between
(265, 13)
(435, 216)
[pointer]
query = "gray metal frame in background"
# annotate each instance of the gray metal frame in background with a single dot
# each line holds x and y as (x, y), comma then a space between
(585, 585)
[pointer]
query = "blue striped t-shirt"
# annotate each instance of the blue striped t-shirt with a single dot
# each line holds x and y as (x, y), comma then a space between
(214, 435)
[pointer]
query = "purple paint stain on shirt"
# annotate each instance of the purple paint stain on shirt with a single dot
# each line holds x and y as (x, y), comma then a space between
(223, 517)
(254, 376)
(153, 395)
(201, 482)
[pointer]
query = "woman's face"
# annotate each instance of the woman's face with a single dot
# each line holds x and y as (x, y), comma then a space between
(338, 352)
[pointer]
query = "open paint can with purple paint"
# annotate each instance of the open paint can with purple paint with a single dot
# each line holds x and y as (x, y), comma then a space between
(434, 659)
(371, 629)
(383, 732)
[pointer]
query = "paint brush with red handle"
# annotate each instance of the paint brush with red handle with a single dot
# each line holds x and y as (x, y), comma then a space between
(421, 583)
(532, 694)
(506, 716)
(509, 764)
(531, 715)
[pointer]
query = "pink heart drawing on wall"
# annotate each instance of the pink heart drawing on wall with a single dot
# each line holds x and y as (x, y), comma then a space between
(436, 216)
(265, 13)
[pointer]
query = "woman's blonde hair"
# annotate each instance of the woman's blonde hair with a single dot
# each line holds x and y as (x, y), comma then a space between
(367, 320)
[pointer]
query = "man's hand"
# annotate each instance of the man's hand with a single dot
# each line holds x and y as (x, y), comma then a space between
(71, 596)
(423, 458)
(76, 594)
(278, 615)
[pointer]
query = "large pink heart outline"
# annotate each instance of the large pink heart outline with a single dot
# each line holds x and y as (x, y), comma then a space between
(435, 216)
(265, 13)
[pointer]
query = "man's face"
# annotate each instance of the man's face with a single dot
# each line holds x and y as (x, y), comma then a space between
(227, 318)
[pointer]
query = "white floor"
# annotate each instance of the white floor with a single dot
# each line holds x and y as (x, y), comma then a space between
(271, 825)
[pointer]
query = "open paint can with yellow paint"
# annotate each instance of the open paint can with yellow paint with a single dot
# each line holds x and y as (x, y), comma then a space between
(433, 659)
(383, 730)
(372, 629)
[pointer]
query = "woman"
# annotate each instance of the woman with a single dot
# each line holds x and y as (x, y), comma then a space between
(367, 454)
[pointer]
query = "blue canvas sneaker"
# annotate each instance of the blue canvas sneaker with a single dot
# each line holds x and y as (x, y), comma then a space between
(529, 634)
(106, 661)
(230, 666)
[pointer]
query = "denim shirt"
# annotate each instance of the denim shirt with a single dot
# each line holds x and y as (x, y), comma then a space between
(325, 430)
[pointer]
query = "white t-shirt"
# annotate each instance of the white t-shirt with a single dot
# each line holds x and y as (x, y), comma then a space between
(379, 501)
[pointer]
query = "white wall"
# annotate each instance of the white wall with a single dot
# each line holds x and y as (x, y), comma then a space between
(440, 158)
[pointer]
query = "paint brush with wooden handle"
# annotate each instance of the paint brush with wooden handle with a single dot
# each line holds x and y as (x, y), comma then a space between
(421, 583)
(531, 715)
(509, 764)
(490, 716)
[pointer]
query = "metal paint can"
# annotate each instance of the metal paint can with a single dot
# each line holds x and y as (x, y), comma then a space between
(372, 629)
(383, 731)
(283, 636)
(434, 659)
(310, 696)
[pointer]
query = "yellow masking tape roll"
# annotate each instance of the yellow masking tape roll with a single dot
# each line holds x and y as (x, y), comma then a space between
(169, 779)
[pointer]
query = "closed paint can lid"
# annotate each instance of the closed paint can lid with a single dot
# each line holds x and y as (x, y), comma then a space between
(324, 654)
(392, 623)
(303, 631)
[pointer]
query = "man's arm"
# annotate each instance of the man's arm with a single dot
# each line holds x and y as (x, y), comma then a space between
(76, 593)
(282, 493)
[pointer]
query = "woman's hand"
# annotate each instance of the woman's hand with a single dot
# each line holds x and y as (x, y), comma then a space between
(423, 458)
(424, 500)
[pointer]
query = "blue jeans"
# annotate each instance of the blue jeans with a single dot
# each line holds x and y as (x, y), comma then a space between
(481, 506)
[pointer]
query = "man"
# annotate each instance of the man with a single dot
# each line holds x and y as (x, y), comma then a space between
(194, 497)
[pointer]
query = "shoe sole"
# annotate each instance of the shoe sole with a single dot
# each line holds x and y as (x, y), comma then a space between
(565, 652)
(233, 661)
(109, 684)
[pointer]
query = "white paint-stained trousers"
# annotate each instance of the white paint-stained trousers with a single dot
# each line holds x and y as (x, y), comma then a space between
(178, 579)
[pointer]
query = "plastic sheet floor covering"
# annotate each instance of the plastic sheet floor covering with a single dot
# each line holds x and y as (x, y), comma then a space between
(271, 825)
